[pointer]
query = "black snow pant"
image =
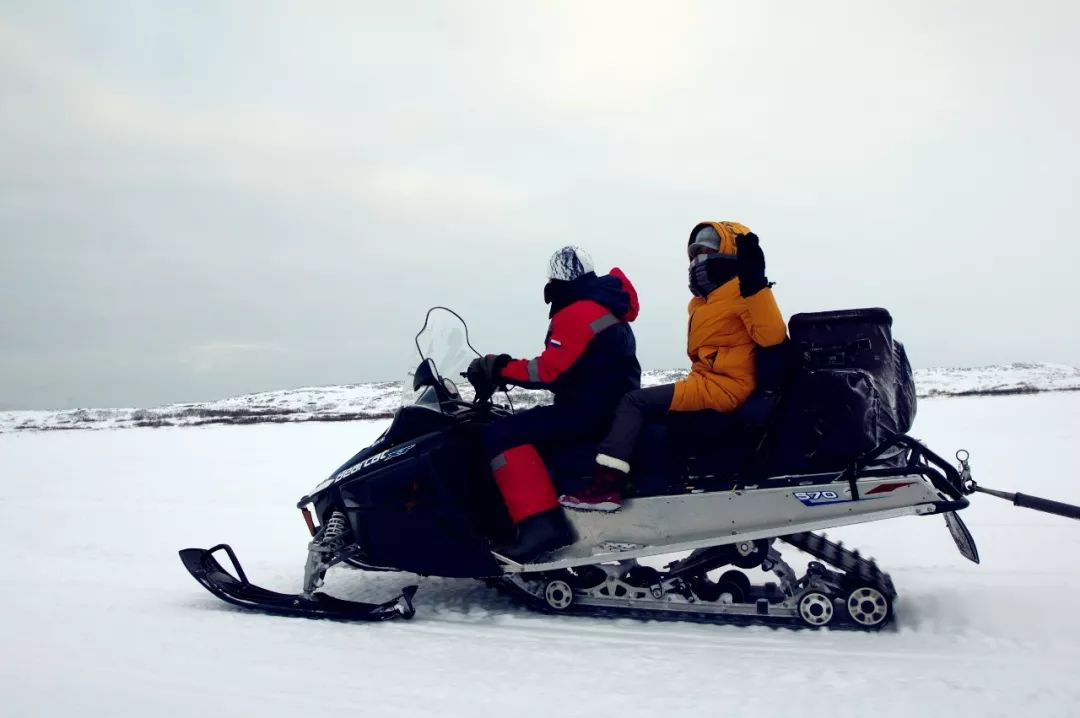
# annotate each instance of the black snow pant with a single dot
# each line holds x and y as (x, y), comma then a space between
(634, 408)
(545, 425)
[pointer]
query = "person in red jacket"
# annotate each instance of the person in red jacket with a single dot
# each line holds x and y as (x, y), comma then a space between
(589, 362)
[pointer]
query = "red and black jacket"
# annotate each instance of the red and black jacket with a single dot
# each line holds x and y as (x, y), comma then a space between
(590, 355)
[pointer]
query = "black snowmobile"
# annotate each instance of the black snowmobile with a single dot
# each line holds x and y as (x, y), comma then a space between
(820, 445)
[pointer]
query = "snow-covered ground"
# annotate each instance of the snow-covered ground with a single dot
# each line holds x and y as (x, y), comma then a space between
(379, 400)
(1017, 378)
(99, 618)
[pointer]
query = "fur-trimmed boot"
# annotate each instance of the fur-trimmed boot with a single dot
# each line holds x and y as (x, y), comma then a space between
(606, 490)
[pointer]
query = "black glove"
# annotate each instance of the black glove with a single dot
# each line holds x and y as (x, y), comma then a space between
(483, 374)
(721, 270)
(751, 262)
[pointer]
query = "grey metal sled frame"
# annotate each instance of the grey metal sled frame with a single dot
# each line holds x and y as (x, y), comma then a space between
(924, 484)
(743, 526)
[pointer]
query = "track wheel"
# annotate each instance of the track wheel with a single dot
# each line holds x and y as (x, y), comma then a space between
(816, 609)
(869, 607)
(558, 595)
(748, 554)
(642, 576)
(585, 576)
(732, 587)
(704, 589)
(736, 584)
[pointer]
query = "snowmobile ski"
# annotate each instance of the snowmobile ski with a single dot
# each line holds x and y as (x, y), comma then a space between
(238, 591)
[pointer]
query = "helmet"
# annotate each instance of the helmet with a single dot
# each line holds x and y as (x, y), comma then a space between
(569, 263)
(714, 238)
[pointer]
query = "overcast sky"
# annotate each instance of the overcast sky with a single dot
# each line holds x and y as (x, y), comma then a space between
(203, 199)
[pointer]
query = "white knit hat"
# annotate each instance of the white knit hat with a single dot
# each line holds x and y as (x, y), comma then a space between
(569, 263)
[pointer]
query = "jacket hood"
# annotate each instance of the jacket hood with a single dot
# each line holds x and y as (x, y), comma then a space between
(615, 292)
(612, 291)
(633, 308)
(726, 234)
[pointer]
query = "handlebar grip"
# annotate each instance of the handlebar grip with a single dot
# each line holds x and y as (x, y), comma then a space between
(1046, 505)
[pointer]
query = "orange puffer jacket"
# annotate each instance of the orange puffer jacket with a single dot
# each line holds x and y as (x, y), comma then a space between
(724, 328)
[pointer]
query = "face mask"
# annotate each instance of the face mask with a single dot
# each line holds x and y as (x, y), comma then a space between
(707, 272)
(700, 285)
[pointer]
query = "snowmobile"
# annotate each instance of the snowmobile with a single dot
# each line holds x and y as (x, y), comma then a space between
(421, 499)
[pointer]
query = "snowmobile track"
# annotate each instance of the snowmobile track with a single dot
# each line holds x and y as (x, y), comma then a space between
(858, 571)
(847, 560)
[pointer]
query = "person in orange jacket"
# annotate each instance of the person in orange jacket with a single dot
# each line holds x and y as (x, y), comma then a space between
(732, 311)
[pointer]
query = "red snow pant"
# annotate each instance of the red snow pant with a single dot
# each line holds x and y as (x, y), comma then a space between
(524, 482)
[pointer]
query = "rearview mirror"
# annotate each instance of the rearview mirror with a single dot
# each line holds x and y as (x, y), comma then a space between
(425, 375)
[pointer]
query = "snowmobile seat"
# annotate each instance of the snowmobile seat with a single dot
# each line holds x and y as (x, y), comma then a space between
(680, 451)
(711, 446)
(669, 451)
(674, 454)
(687, 450)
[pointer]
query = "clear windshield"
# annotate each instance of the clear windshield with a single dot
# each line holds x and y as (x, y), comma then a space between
(444, 341)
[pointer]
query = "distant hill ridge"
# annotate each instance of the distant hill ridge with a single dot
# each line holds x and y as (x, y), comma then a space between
(379, 400)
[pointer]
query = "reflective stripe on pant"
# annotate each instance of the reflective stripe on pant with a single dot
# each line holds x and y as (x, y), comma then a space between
(524, 482)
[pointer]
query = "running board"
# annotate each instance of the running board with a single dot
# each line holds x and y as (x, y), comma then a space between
(571, 558)
(654, 525)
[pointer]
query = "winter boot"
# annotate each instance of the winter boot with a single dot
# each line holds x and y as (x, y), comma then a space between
(537, 534)
(532, 503)
(605, 491)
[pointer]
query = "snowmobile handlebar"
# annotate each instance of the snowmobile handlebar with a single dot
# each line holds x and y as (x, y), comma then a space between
(483, 395)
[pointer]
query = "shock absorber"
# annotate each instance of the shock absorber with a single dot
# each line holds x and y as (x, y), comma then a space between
(335, 528)
(322, 549)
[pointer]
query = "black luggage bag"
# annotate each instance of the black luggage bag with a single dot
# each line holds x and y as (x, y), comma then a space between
(852, 389)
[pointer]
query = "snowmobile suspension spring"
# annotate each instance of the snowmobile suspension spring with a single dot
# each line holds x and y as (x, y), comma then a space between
(335, 526)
